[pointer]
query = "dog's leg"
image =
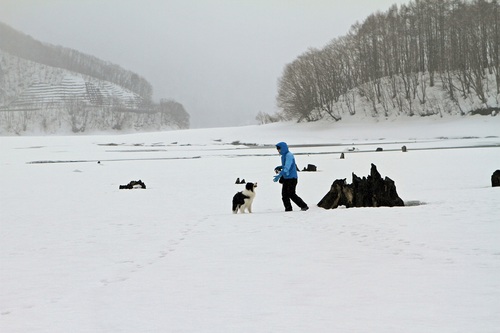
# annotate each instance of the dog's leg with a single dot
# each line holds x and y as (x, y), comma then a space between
(250, 208)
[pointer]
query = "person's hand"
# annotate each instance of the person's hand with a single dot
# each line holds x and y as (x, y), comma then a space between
(276, 178)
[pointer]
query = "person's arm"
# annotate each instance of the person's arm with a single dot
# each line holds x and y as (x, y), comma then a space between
(288, 164)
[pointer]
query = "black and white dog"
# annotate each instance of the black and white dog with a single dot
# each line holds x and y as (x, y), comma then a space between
(243, 200)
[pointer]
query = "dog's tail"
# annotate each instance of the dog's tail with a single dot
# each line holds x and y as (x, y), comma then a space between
(235, 206)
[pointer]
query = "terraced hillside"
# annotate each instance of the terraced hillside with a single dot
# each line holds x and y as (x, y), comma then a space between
(27, 85)
(37, 98)
(42, 95)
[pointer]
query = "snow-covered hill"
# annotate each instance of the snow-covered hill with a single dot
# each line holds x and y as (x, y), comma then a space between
(50, 89)
(411, 95)
(30, 85)
(445, 97)
(36, 98)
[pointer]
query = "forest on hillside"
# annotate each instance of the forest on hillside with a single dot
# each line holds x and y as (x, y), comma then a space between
(394, 59)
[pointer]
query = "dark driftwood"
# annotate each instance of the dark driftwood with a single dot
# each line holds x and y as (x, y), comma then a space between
(495, 178)
(371, 191)
(133, 184)
(310, 167)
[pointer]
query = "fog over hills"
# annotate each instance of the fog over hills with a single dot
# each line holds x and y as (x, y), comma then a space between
(50, 89)
(418, 59)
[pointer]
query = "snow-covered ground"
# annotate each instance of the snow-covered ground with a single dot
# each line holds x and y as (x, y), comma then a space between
(79, 255)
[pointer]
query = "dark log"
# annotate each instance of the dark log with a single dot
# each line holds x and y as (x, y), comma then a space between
(133, 184)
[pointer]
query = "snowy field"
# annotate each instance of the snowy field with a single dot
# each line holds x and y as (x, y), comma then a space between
(79, 255)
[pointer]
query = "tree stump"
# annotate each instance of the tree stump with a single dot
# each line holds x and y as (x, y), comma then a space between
(371, 191)
(495, 178)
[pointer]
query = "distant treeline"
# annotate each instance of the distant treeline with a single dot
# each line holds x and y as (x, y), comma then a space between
(451, 42)
(24, 46)
(77, 117)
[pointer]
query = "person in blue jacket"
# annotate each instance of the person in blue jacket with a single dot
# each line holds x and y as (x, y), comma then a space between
(287, 176)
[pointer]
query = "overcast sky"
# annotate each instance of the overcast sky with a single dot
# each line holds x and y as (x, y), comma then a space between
(221, 59)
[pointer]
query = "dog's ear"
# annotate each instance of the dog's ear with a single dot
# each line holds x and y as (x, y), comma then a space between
(255, 184)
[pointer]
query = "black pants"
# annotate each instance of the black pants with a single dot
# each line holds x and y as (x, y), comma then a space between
(288, 193)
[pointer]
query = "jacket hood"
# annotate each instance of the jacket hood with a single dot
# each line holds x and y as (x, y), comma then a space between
(283, 147)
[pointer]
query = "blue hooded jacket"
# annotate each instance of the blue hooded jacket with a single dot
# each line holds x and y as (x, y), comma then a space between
(288, 166)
